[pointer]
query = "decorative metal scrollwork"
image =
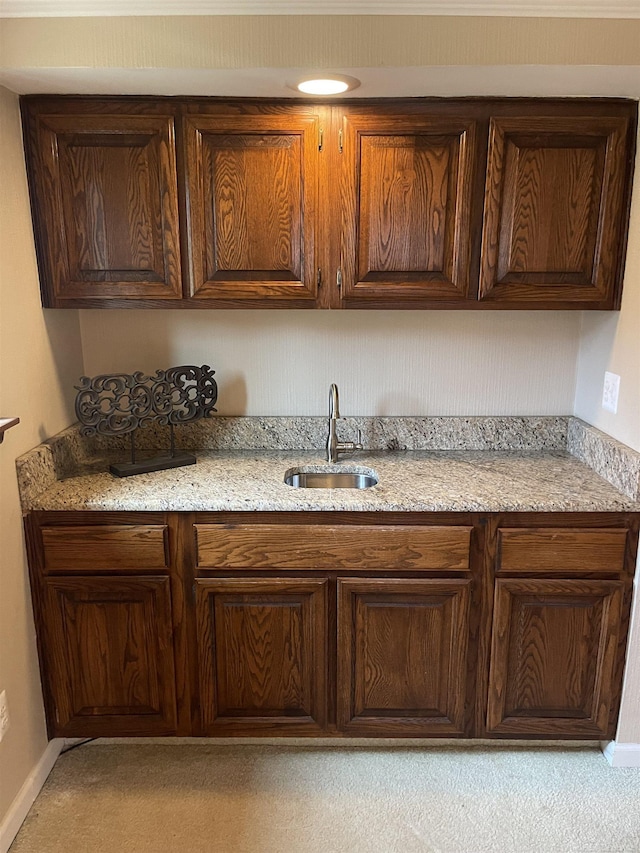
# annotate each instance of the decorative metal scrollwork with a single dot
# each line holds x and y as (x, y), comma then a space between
(120, 403)
(117, 403)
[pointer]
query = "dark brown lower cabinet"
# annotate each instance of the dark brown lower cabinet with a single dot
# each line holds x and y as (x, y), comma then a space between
(402, 656)
(553, 657)
(262, 651)
(508, 625)
(109, 652)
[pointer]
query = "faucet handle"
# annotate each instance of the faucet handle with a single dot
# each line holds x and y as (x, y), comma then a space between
(359, 441)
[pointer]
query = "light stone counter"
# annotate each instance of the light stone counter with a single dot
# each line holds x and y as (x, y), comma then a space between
(419, 481)
(424, 464)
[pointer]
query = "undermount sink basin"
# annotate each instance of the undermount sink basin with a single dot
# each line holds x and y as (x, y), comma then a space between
(330, 480)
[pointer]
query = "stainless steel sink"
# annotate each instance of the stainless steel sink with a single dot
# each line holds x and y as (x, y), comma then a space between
(330, 480)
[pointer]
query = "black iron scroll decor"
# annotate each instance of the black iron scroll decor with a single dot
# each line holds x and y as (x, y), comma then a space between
(121, 403)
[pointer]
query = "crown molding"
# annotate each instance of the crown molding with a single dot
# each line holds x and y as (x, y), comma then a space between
(481, 8)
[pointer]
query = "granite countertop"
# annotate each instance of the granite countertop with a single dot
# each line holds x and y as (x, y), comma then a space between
(424, 464)
(419, 481)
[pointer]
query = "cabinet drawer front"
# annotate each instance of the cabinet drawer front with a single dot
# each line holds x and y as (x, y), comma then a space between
(108, 546)
(317, 546)
(560, 550)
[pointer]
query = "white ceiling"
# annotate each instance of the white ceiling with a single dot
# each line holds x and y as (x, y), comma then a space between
(437, 81)
(526, 8)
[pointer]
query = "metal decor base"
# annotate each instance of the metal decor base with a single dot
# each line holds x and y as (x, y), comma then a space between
(156, 463)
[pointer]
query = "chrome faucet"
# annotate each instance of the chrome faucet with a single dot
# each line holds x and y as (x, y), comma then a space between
(335, 447)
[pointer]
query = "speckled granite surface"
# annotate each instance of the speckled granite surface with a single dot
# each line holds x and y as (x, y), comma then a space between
(469, 464)
(310, 433)
(617, 463)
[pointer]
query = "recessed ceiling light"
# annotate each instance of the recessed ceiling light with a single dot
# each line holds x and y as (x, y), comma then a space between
(327, 84)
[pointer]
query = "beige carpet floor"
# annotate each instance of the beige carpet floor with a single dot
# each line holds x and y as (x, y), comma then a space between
(239, 798)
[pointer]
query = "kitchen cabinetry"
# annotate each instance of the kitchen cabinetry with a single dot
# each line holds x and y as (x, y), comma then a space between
(105, 629)
(253, 207)
(105, 201)
(553, 656)
(421, 203)
(555, 639)
(262, 653)
(315, 624)
(402, 656)
(110, 655)
(407, 197)
(554, 209)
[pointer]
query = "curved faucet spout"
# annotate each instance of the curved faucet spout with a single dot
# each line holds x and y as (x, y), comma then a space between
(335, 447)
(334, 402)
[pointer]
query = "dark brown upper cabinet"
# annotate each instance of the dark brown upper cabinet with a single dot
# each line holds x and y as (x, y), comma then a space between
(104, 197)
(480, 203)
(407, 191)
(554, 223)
(252, 188)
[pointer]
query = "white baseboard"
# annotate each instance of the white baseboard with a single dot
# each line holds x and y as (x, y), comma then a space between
(622, 754)
(19, 809)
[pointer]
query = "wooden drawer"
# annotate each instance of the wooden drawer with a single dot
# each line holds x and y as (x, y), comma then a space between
(560, 550)
(318, 546)
(105, 546)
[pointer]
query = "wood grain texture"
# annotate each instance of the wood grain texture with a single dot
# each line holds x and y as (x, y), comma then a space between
(402, 656)
(553, 657)
(252, 184)
(262, 655)
(557, 550)
(266, 218)
(105, 190)
(109, 653)
(317, 546)
(554, 209)
(279, 634)
(106, 546)
(406, 197)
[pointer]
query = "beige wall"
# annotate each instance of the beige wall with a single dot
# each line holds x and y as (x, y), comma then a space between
(315, 41)
(40, 357)
(385, 362)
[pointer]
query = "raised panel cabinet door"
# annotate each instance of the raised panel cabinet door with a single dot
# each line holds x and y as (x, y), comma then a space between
(402, 656)
(109, 653)
(555, 208)
(105, 187)
(406, 188)
(554, 656)
(262, 647)
(252, 196)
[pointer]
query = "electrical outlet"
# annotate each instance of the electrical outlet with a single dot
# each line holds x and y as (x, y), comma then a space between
(610, 392)
(4, 714)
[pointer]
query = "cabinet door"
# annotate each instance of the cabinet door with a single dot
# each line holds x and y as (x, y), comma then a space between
(105, 188)
(406, 186)
(262, 655)
(553, 657)
(252, 190)
(555, 209)
(402, 656)
(109, 651)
